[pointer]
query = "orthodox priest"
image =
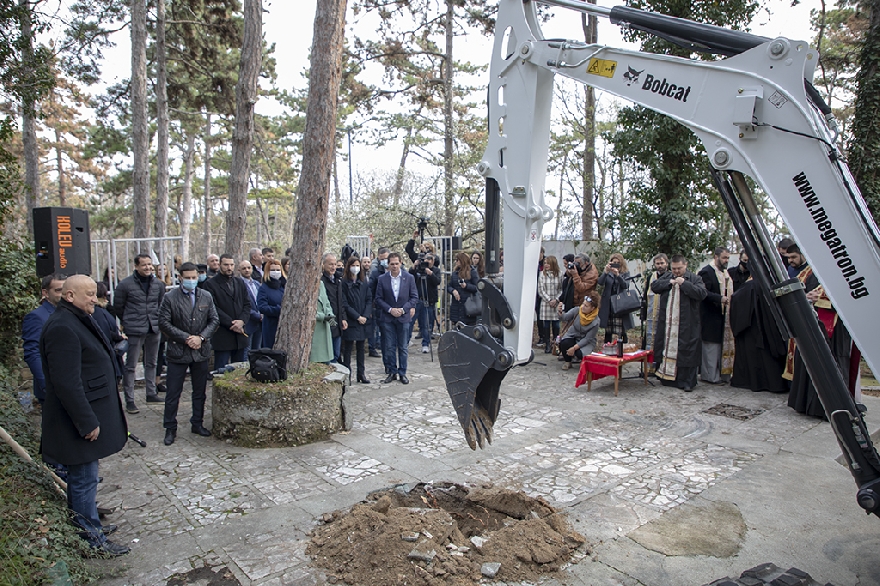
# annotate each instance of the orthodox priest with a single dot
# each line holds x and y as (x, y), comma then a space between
(651, 301)
(803, 397)
(677, 347)
(760, 345)
(718, 346)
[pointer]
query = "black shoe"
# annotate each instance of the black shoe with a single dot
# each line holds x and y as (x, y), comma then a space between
(111, 549)
(389, 378)
(155, 399)
(374, 354)
(132, 408)
(688, 389)
(403, 379)
(201, 430)
(363, 379)
(102, 512)
(170, 435)
(548, 348)
(109, 529)
(161, 388)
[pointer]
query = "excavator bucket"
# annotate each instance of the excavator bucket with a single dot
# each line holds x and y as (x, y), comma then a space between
(473, 365)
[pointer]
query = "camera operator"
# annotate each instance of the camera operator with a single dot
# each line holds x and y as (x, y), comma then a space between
(614, 281)
(424, 247)
(581, 277)
(427, 280)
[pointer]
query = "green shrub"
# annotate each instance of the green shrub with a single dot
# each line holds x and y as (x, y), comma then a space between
(35, 532)
(20, 291)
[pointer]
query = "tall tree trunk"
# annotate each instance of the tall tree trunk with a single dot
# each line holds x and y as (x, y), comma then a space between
(448, 179)
(243, 134)
(591, 35)
(865, 143)
(300, 298)
(336, 195)
(140, 138)
(401, 168)
(59, 161)
(162, 131)
(29, 125)
(209, 206)
(186, 205)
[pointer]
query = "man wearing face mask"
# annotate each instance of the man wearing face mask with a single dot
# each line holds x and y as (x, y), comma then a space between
(203, 275)
(740, 273)
(188, 318)
(718, 341)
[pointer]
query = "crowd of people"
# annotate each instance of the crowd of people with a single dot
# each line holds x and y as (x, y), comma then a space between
(715, 325)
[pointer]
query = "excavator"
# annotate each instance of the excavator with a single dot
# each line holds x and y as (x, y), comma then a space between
(757, 113)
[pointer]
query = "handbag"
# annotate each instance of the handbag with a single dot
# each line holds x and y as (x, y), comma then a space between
(625, 303)
(267, 365)
(473, 305)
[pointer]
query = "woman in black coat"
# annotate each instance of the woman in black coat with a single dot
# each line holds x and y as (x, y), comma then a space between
(614, 281)
(462, 284)
(359, 312)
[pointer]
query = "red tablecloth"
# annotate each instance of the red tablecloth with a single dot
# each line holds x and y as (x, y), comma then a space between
(601, 365)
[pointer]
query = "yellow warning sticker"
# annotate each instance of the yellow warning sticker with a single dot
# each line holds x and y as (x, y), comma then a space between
(602, 67)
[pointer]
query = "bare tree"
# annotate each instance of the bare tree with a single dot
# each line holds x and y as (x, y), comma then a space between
(243, 134)
(162, 149)
(209, 206)
(186, 204)
(448, 88)
(301, 296)
(139, 134)
(29, 125)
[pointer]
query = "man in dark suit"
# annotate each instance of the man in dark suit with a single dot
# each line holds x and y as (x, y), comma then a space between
(32, 326)
(234, 309)
(254, 327)
(82, 416)
(396, 298)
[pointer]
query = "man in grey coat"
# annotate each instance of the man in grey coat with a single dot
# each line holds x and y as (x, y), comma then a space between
(136, 303)
(188, 318)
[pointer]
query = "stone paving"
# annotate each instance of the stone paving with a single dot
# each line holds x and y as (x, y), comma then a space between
(615, 463)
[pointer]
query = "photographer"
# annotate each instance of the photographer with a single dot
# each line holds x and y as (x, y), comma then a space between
(614, 280)
(581, 277)
(427, 280)
(424, 247)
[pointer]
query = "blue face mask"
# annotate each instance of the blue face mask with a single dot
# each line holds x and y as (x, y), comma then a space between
(202, 277)
(384, 262)
(189, 284)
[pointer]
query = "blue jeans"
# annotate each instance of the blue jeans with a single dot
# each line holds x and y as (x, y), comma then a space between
(82, 488)
(427, 317)
(224, 357)
(395, 337)
(337, 349)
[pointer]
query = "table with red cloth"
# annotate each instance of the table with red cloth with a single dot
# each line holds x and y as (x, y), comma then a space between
(597, 365)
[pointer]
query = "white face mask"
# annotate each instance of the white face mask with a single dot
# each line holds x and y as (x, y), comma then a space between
(274, 274)
(355, 270)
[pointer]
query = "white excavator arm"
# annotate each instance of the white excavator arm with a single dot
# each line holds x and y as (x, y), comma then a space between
(755, 112)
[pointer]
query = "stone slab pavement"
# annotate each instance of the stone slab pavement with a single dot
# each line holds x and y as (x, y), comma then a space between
(649, 477)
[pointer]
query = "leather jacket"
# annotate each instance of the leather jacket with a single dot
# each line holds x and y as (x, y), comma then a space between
(179, 319)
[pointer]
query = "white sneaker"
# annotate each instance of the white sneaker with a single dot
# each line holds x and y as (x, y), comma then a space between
(424, 349)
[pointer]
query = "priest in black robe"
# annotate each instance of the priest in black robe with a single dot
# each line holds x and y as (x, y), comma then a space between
(677, 346)
(760, 346)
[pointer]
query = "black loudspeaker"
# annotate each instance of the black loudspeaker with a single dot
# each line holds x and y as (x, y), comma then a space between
(456, 243)
(61, 240)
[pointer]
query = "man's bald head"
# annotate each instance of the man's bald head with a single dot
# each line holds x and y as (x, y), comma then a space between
(81, 292)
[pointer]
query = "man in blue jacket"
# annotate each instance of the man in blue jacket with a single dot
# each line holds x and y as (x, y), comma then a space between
(32, 326)
(396, 299)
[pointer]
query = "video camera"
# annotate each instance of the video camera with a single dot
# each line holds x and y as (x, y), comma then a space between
(423, 223)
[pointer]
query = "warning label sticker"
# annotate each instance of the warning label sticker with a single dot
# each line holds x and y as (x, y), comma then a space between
(602, 67)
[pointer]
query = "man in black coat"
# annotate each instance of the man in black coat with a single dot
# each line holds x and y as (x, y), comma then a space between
(718, 343)
(82, 416)
(136, 303)
(234, 310)
(677, 345)
(333, 285)
(427, 281)
(188, 319)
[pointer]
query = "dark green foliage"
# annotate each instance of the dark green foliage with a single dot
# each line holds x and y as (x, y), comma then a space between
(35, 533)
(671, 205)
(865, 144)
(20, 290)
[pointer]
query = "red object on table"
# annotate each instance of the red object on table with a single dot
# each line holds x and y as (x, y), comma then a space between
(596, 366)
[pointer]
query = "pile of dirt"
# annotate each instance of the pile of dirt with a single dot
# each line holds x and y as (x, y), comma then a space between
(444, 533)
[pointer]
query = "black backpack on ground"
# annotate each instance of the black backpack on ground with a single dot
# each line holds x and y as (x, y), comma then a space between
(267, 365)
